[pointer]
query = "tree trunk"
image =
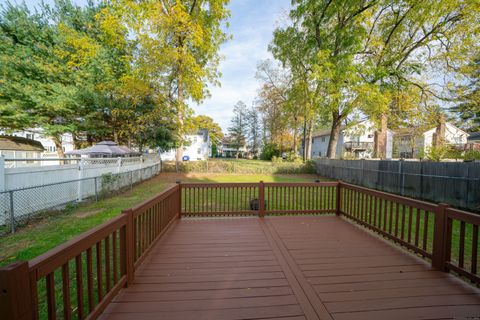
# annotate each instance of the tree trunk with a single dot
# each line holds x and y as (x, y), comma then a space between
(295, 136)
(334, 134)
(309, 140)
(380, 144)
(304, 156)
(58, 146)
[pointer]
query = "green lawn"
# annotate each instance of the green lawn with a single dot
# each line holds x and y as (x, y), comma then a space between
(55, 229)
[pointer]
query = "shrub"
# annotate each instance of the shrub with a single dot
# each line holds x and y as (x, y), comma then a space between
(472, 155)
(269, 151)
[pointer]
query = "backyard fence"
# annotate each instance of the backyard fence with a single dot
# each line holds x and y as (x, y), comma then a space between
(455, 183)
(21, 205)
(80, 278)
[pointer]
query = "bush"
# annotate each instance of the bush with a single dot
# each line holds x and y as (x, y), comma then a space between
(269, 151)
(276, 159)
(471, 155)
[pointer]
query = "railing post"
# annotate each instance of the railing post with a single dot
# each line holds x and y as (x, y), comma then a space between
(15, 294)
(338, 198)
(179, 183)
(261, 199)
(129, 247)
(441, 238)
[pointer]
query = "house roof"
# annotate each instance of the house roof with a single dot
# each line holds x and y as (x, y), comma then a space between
(474, 136)
(324, 132)
(108, 148)
(19, 144)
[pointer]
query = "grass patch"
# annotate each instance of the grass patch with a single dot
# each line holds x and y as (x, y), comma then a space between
(241, 166)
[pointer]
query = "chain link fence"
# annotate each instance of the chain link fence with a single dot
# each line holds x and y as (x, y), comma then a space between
(21, 206)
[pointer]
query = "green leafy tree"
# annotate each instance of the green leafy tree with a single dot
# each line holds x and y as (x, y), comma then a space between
(178, 44)
(238, 126)
(468, 94)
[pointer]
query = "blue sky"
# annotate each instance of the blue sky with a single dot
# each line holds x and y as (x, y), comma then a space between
(251, 24)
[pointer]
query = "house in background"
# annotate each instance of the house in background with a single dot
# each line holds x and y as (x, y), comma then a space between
(411, 145)
(357, 141)
(474, 137)
(198, 147)
(20, 148)
(228, 149)
(50, 149)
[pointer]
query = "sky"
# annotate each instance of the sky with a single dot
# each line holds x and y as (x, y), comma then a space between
(252, 23)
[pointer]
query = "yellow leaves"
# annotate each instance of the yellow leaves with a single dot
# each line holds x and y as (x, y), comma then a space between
(80, 48)
(112, 28)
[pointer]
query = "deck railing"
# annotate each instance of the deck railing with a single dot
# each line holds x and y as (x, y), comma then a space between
(79, 278)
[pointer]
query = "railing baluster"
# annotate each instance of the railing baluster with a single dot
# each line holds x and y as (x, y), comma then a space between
(99, 271)
(51, 305)
(417, 227)
(89, 280)
(410, 223)
(425, 229)
(107, 263)
(67, 308)
(474, 249)
(461, 244)
(79, 285)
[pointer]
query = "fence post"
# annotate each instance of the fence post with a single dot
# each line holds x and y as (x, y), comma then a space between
(441, 238)
(119, 164)
(81, 168)
(338, 198)
(129, 247)
(3, 186)
(12, 213)
(261, 199)
(96, 189)
(15, 294)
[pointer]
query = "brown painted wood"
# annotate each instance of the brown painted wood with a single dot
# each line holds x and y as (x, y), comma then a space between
(302, 267)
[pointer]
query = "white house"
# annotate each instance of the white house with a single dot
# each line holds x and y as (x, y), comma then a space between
(20, 148)
(357, 140)
(47, 143)
(411, 145)
(198, 147)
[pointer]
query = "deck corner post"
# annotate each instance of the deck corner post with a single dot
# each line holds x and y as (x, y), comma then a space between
(261, 199)
(129, 247)
(179, 203)
(15, 294)
(441, 238)
(338, 208)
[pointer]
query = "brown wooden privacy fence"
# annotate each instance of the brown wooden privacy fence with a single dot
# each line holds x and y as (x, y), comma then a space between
(78, 279)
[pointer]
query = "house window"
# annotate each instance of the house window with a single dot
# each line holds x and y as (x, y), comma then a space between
(323, 139)
(29, 136)
(199, 151)
(370, 136)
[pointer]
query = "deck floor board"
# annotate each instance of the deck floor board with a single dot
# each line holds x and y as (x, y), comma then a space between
(288, 268)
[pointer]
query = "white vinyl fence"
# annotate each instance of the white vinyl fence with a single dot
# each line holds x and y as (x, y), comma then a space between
(28, 191)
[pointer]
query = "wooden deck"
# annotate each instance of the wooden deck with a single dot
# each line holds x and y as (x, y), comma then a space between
(287, 268)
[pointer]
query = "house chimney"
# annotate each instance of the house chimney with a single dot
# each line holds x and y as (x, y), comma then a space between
(380, 139)
(439, 136)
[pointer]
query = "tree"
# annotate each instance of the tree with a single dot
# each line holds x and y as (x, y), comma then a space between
(354, 55)
(178, 49)
(468, 95)
(253, 130)
(237, 129)
(205, 122)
